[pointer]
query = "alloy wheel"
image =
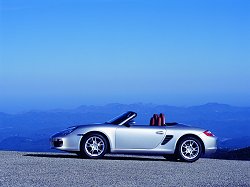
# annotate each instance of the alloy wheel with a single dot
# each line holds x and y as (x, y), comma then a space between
(94, 146)
(190, 149)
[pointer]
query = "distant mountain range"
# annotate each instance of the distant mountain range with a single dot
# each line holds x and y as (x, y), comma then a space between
(30, 131)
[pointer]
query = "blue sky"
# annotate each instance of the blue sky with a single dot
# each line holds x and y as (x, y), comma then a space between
(61, 54)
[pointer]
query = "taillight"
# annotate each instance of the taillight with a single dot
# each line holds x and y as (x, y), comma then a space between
(208, 133)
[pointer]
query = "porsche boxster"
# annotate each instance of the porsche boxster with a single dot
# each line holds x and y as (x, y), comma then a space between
(123, 135)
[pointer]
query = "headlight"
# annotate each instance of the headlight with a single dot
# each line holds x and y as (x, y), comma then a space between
(68, 130)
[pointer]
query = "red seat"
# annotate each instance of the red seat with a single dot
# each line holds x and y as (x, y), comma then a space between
(156, 117)
(152, 121)
(157, 120)
(163, 120)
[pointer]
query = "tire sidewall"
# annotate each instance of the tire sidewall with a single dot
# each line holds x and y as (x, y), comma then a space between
(179, 149)
(83, 151)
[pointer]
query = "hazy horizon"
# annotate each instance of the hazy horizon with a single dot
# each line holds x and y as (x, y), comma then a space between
(24, 110)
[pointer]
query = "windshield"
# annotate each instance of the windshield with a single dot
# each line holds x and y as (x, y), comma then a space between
(119, 119)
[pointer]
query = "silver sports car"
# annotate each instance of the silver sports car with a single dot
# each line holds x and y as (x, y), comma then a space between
(122, 135)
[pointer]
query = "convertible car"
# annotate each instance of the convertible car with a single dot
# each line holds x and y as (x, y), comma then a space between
(123, 135)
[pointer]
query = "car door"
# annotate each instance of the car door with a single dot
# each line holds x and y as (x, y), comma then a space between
(139, 137)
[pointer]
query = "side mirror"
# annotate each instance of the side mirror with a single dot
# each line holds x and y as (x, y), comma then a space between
(129, 123)
(132, 122)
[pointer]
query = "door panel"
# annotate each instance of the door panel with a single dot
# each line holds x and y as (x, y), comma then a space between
(139, 137)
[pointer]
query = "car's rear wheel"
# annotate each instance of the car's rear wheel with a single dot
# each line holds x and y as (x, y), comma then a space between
(189, 149)
(94, 146)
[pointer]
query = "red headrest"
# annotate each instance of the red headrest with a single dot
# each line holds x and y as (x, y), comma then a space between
(155, 116)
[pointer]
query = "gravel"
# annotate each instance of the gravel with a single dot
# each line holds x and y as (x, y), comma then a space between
(56, 169)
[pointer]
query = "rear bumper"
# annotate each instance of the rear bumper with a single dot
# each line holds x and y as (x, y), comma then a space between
(209, 151)
(210, 144)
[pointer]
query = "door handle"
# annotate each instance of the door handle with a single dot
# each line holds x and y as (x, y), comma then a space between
(159, 132)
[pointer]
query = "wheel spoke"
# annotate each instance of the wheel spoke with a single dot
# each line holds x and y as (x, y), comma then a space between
(191, 144)
(195, 149)
(92, 140)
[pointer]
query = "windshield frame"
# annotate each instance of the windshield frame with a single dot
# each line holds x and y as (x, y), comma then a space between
(122, 118)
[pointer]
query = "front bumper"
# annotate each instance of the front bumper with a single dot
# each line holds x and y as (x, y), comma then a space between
(65, 143)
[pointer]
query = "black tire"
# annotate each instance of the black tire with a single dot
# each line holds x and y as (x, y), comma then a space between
(189, 149)
(79, 154)
(171, 157)
(91, 152)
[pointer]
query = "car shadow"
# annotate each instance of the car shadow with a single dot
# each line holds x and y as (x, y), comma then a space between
(51, 155)
(107, 157)
(137, 158)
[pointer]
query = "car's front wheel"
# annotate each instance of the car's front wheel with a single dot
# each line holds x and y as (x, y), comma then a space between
(189, 149)
(94, 146)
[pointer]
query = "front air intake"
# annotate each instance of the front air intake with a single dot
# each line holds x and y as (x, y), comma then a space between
(58, 143)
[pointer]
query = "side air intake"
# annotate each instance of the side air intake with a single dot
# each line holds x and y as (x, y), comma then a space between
(167, 139)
